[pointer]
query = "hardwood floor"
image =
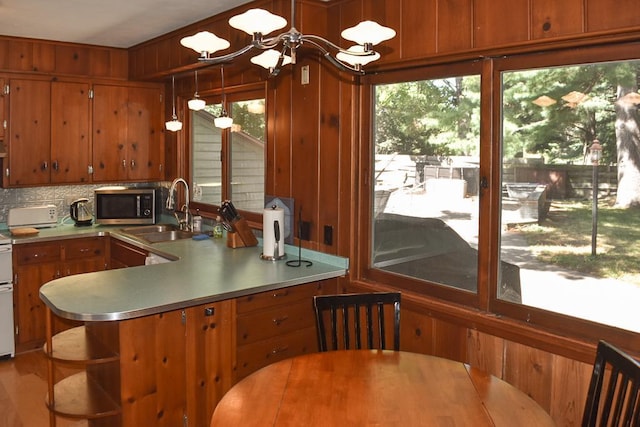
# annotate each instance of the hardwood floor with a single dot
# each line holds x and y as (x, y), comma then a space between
(23, 387)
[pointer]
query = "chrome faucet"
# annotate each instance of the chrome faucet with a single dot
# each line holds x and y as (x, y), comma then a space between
(184, 223)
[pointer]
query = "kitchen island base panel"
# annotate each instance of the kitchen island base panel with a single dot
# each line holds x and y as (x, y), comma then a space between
(164, 368)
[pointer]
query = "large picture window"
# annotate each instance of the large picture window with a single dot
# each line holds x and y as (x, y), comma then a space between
(511, 186)
(425, 182)
(571, 188)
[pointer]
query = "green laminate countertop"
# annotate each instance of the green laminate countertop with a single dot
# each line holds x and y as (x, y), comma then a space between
(204, 271)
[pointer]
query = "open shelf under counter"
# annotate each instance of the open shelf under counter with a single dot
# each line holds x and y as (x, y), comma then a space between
(79, 396)
(77, 345)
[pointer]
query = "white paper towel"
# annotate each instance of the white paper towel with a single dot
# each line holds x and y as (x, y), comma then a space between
(269, 217)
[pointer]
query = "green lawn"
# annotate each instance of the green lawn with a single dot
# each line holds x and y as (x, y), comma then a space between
(564, 239)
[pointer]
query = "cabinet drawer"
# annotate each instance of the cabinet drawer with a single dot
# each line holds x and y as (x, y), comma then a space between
(279, 320)
(252, 357)
(84, 248)
(278, 297)
(37, 253)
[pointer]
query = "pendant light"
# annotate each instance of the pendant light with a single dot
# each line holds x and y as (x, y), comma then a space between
(174, 124)
(224, 121)
(195, 103)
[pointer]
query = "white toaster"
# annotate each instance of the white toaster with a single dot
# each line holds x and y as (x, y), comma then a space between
(36, 216)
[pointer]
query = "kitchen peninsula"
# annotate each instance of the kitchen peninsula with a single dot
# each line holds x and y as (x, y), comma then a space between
(173, 337)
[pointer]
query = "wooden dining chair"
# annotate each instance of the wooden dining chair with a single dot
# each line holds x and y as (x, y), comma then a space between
(357, 318)
(613, 395)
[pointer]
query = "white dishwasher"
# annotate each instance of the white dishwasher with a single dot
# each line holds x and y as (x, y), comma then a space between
(7, 334)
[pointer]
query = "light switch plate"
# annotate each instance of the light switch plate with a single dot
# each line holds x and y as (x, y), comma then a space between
(304, 78)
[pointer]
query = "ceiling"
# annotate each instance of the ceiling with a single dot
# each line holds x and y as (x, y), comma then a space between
(113, 23)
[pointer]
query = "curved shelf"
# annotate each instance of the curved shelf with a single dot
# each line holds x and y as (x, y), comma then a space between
(74, 345)
(78, 396)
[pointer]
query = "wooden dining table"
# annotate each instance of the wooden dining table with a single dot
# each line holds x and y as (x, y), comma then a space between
(375, 388)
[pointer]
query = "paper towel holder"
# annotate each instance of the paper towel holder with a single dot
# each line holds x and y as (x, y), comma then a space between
(276, 249)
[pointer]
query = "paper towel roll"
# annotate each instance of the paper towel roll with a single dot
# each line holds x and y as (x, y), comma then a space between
(269, 218)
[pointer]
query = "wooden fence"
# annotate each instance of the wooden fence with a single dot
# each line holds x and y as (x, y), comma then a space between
(564, 181)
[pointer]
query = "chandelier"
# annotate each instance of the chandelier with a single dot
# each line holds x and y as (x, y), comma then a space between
(280, 50)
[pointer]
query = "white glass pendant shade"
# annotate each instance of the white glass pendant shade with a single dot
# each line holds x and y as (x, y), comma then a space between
(196, 104)
(357, 59)
(223, 122)
(173, 125)
(269, 59)
(204, 41)
(368, 32)
(257, 21)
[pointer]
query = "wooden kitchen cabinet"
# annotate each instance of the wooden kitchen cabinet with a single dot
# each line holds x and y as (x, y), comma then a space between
(48, 132)
(127, 133)
(125, 255)
(35, 264)
(3, 118)
(164, 370)
(275, 325)
(29, 129)
(70, 133)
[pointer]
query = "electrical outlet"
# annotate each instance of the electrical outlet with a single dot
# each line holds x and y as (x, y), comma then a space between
(197, 192)
(304, 78)
(305, 230)
(328, 235)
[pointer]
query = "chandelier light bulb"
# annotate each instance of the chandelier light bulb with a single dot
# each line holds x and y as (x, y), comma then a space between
(205, 42)
(269, 59)
(359, 58)
(368, 32)
(257, 21)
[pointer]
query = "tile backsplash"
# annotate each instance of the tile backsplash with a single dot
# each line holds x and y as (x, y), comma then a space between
(61, 196)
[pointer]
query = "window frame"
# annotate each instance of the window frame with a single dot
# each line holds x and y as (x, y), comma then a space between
(485, 302)
(231, 94)
(367, 272)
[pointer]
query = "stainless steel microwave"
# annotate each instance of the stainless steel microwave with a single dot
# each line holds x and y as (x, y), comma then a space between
(119, 206)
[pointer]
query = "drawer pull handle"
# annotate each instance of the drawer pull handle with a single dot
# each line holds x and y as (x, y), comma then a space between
(278, 321)
(281, 294)
(279, 350)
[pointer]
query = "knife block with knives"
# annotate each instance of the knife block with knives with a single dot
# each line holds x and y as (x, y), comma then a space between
(240, 234)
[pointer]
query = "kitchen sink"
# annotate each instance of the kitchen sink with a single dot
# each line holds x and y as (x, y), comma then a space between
(157, 233)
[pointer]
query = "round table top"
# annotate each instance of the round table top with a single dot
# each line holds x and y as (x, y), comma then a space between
(373, 387)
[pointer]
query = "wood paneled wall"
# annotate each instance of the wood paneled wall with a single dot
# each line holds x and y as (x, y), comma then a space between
(47, 57)
(313, 138)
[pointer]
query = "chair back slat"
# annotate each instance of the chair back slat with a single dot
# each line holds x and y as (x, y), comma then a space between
(359, 319)
(614, 390)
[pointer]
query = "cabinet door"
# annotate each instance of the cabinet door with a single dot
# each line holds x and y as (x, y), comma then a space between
(3, 119)
(70, 145)
(109, 133)
(144, 134)
(30, 313)
(127, 136)
(125, 255)
(209, 358)
(29, 132)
